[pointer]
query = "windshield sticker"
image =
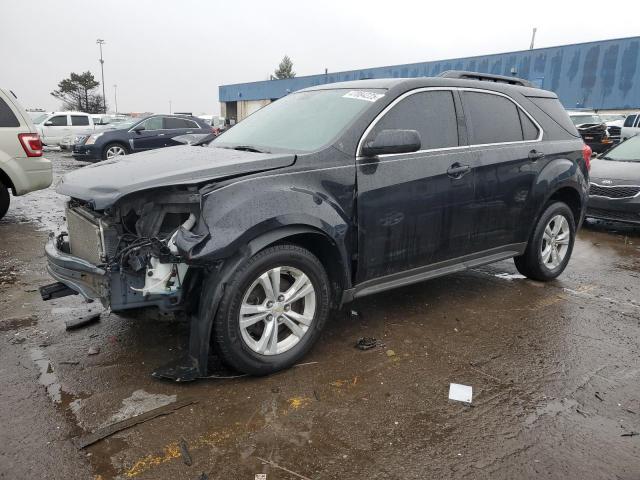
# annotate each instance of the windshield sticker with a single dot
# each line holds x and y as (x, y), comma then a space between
(363, 95)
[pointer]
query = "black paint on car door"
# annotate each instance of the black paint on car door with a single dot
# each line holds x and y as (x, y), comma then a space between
(415, 209)
(508, 157)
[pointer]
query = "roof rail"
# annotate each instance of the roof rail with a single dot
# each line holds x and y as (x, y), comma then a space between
(487, 77)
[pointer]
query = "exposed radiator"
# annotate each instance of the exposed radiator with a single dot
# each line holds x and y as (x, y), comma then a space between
(87, 240)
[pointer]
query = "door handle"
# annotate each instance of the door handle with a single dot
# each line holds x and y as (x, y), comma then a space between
(535, 155)
(161, 134)
(458, 171)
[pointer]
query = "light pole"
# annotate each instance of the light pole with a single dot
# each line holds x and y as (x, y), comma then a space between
(101, 42)
(115, 97)
(169, 107)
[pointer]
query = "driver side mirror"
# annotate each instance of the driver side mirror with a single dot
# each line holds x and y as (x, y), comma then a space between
(139, 128)
(48, 124)
(392, 141)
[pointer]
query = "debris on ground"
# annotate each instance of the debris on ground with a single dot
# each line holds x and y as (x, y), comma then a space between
(186, 456)
(203, 476)
(93, 350)
(116, 427)
(460, 393)
(280, 467)
(365, 343)
(597, 395)
(69, 362)
(82, 320)
(355, 313)
(391, 353)
(630, 434)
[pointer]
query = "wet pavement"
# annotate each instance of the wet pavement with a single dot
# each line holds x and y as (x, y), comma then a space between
(555, 371)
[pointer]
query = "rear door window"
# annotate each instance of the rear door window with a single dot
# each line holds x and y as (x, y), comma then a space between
(58, 121)
(630, 120)
(431, 113)
(7, 117)
(492, 118)
(79, 120)
(172, 123)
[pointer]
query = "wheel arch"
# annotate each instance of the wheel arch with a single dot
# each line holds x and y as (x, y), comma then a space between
(122, 143)
(6, 181)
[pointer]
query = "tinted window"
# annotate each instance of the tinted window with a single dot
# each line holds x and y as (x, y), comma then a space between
(629, 121)
(79, 120)
(173, 123)
(153, 123)
(432, 114)
(492, 118)
(529, 129)
(554, 110)
(59, 121)
(7, 118)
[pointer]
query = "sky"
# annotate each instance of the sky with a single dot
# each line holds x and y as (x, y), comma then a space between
(180, 51)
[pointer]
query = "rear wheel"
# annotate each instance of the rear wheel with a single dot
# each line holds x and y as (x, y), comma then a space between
(273, 310)
(550, 245)
(4, 199)
(113, 150)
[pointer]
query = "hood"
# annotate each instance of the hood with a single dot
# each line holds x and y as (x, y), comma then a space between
(628, 172)
(106, 182)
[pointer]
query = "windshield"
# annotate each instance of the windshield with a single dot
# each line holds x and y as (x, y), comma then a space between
(584, 119)
(628, 151)
(611, 117)
(122, 125)
(304, 121)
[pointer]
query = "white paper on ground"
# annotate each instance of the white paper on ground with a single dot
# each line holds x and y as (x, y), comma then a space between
(461, 393)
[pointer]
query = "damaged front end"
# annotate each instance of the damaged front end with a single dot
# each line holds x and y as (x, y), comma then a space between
(125, 255)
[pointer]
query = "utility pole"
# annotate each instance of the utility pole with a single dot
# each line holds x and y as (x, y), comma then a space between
(169, 107)
(533, 38)
(101, 42)
(115, 96)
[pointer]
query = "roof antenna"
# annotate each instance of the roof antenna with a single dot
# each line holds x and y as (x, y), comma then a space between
(533, 38)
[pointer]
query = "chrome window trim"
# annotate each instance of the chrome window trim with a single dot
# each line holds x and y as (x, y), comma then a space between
(614, 186)
(450, 89)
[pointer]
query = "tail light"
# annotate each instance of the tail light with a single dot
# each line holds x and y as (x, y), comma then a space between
(586, 154)
(31, 144)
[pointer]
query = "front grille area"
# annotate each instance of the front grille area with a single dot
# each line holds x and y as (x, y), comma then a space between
(616, 191)
(85, 240)
(613, 214)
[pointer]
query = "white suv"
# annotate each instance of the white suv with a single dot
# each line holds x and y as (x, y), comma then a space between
(631, 126)
(22, 167)
(58, 125)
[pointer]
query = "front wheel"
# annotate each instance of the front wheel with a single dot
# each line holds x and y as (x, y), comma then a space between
(273, 310)
(550, 245)
(113, 150)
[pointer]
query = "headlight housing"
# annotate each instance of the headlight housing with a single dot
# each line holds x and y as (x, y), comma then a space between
(92, 138)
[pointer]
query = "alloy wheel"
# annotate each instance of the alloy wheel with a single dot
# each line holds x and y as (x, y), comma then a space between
(115, 151)
(277, 310)
(555, 242)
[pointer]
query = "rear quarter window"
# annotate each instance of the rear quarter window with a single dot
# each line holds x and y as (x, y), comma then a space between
(554, 110)
(7, 117)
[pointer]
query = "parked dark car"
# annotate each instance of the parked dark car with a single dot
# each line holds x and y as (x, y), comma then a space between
(593, 130)
(614, 192)
(328, 194)
(156, 131)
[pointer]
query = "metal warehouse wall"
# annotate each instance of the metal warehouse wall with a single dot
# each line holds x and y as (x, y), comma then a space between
(603, 75)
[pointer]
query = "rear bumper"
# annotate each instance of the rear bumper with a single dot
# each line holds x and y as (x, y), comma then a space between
(28, 174)
(81, 276)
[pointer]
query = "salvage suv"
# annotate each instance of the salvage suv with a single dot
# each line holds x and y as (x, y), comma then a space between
(326, 195)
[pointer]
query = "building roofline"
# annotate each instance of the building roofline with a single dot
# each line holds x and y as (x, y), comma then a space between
(514, 52)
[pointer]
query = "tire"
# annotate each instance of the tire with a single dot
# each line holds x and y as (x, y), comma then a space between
(4, 199)
(538, 261)
(250, 349)
(109, 150)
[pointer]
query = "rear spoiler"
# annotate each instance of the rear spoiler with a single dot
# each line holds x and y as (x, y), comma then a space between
(487, 77)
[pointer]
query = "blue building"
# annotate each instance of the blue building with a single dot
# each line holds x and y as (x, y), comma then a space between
(603, 75)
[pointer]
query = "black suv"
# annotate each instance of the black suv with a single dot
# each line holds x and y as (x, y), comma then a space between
(328, 194)
(155, 131)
